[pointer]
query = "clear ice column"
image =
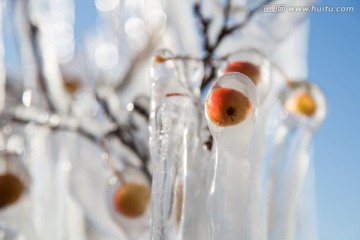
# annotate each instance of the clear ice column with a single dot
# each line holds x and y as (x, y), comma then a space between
(173, 131)
(304, 110)
(231, 108)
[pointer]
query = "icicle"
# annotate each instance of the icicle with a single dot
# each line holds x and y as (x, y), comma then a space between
(231, 109)
(174, 128)
(267, 90)
(196, 223)
(289, 164)
(29, 66)
(49, 67)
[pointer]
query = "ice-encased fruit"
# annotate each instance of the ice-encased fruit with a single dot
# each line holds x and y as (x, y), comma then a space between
(11, 189)
(227, 107)
(301, 103)
(131, 199)
(246, 68)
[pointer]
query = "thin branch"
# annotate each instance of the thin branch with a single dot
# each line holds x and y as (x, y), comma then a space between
(208, 144)
(106, 108)
(227, 9)
(227, 30)
(142, 111)
(208, 78)
(223, 33)
(99, 141)
(27, 41)
(110, 161)
(125, 135)
(204, 24)
(13, 117)
(34, 35)
(180, 57)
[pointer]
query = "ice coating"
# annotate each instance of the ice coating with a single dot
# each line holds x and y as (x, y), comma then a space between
(256, 64)
(230, 168)
(289, 166)
(175, 121)
(263, 127)
(163, 71)
(191, 72)
(173, 137)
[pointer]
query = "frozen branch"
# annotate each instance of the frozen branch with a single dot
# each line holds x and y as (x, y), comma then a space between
(54, 122)
(124, 132)
(225, 31)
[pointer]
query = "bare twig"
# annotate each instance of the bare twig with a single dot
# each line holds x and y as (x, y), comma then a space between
(124, 133)
(204, 24)
(27, 40)
(15, 118)
(99, 141)
(208, 144)
(225, 31)
(106, 155)
(125, 136)
(209, 77)
(34, 31)
(142, 111)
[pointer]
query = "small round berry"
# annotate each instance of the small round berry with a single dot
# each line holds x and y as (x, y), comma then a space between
(11, 189)
(302, 103)
(131, 199)
(71, 84)
(227, 107)
(246, 68)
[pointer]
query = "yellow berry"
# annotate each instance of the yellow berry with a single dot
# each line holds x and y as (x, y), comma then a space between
(302, 103)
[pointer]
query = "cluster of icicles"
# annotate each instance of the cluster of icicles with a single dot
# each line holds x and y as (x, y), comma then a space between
(254, 183)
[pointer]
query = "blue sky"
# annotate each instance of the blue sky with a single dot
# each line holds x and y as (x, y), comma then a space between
(334, 64)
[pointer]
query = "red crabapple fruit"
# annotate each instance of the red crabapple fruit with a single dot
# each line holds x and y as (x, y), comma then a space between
(227, 107)
(246, 68)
